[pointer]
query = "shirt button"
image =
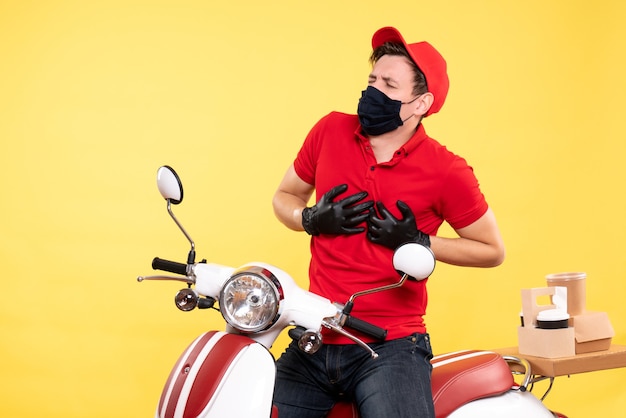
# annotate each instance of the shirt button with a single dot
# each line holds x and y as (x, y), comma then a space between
(372, 168)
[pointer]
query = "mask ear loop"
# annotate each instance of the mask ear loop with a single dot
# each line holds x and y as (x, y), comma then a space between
(416, 97)
(412, 114)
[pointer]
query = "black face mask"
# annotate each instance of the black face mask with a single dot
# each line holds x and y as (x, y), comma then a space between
(378, 113)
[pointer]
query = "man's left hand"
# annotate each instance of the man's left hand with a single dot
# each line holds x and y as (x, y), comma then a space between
(385, 229)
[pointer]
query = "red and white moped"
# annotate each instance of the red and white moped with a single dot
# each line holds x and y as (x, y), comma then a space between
(230, 373)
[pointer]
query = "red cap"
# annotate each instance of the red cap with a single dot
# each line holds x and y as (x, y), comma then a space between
(427, 59)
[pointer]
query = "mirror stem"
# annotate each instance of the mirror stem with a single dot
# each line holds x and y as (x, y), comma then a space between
(348, 307)
(191, 259)
(379, 289)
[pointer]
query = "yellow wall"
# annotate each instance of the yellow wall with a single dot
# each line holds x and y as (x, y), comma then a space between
(94, 96)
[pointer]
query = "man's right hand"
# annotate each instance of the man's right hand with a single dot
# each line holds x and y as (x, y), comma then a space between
(336, 218)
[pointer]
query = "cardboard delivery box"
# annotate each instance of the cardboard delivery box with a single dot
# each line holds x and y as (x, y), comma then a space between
(588, 332)
(592, 332)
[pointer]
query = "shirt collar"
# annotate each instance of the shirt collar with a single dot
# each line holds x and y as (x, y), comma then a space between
(418, 137)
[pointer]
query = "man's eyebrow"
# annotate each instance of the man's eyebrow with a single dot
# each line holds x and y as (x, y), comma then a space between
(390, 81)
(386, 79)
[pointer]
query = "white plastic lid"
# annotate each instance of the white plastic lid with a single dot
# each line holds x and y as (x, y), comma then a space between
(552, 315)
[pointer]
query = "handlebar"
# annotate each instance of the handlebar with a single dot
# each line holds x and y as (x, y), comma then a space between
(366, 328)
(171, 266)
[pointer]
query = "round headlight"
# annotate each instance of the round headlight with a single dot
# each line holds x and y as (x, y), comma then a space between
(249, 300)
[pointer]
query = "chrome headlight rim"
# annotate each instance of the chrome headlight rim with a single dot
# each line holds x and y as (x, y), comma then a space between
(273, 290)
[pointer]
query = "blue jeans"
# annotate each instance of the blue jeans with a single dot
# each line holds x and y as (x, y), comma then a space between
(396, 384)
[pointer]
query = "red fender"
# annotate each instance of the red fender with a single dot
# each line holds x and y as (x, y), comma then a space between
(198, 372)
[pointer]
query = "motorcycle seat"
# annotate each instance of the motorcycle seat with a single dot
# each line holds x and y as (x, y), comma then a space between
(457, 378)
(465, 376)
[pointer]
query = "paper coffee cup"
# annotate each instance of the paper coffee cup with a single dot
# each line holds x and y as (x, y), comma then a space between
(575, 282)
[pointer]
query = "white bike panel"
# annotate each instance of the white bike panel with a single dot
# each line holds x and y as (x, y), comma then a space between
(247, 389)
(513, 404)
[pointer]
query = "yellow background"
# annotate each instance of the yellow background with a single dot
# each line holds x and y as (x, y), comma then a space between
(94, 96)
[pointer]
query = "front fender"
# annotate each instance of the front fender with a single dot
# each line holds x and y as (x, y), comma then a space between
(220, 375)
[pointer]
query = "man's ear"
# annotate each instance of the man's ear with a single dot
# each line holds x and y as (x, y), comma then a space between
(424, 102)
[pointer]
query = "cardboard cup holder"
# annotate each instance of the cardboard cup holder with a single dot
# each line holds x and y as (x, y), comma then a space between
(583, 333)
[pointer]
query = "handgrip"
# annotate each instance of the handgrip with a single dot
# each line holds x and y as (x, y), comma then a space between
(366, 328)
(171, 266)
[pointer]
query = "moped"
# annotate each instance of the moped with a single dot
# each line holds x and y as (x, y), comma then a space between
(230, 373)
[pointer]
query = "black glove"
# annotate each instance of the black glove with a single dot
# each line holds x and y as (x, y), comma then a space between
(391, 232)
(328, 217)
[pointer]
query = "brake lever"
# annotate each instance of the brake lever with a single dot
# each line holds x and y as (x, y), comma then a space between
(188, 280)
(338, 329)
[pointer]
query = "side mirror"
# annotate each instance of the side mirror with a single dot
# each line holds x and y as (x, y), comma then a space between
(171, 189)
(169, 185)
(414, 260)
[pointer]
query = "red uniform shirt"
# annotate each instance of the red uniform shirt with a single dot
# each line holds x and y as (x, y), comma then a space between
(436, 184)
